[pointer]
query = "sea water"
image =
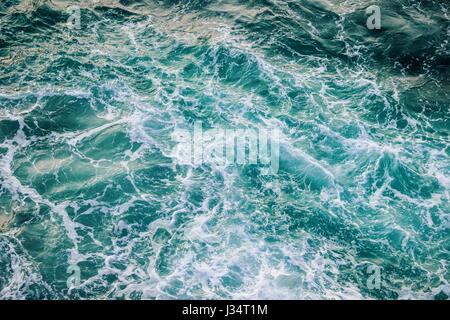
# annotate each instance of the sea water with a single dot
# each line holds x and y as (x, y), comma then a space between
(96, 204)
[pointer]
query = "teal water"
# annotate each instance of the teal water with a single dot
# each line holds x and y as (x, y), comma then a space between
(88, 179)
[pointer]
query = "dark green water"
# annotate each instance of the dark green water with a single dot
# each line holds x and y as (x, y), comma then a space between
(89, 182)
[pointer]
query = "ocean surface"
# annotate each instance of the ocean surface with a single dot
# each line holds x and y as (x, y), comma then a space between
(94, 203)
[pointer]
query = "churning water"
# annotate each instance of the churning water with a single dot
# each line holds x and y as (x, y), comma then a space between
(95, 203)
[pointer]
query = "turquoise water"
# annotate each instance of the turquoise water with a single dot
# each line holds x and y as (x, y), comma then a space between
(89, 182)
